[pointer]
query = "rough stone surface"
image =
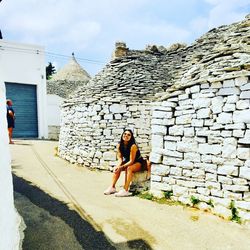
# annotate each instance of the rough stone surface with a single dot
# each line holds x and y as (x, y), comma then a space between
(193, 95)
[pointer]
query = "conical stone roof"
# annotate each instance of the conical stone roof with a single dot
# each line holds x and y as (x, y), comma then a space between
(71, 72)
(68, 79)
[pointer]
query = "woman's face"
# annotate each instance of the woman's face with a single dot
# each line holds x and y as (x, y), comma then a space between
(126, 136)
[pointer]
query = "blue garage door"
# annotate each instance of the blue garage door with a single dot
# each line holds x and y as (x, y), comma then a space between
(24, 100)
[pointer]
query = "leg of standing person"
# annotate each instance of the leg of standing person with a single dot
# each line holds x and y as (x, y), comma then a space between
(10, 130)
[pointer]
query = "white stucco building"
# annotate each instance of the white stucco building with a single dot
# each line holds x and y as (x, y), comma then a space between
(22, 67)
(9, 218)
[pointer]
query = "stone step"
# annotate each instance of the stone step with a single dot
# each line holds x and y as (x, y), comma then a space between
(140, 182)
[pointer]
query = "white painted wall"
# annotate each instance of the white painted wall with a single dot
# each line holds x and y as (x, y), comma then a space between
(9, 219)
(53, 109)
(25, 63)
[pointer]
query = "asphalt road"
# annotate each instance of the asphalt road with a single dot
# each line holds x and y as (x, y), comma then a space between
(51, 225)
(83, 218)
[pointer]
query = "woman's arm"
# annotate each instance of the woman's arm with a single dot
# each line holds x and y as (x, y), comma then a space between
(120, 160)
(133, 151)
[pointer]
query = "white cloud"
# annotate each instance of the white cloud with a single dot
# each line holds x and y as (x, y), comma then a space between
(66, 21)
(90, 27)
(159, 34)
(49, 24)
(220, 13)
(226, 12)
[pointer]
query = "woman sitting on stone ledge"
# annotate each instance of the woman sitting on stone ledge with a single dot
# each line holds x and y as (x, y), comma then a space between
(130, 161)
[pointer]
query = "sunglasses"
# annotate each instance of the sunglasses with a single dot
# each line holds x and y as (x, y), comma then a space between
(128, 134)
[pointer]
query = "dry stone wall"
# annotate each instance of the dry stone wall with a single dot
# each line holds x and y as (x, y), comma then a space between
(129, 83)
(201, 128)
(118, 97)
(201, 145)
(91, 132)
(197, 99)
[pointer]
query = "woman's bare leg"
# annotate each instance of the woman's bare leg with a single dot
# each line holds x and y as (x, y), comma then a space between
(125, 177)
(130, 170)
(115, 177)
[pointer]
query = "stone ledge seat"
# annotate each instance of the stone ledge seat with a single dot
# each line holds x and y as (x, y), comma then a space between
(140, 182)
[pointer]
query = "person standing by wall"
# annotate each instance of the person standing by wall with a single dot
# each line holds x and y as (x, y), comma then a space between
(10, 119)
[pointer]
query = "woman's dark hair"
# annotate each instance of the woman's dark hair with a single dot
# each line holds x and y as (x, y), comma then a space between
(130, 143)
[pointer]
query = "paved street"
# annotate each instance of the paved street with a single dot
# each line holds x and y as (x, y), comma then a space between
(90, 220)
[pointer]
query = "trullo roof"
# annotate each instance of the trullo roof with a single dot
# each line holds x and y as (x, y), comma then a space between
(71, 72)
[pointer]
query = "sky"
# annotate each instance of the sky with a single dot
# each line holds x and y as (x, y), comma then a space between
(90, 28)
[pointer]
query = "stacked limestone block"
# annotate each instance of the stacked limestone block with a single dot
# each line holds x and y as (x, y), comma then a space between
(91, 132)
(129, 82)
(201, 127)
(119, 97)
(91, 127)
(201, 145)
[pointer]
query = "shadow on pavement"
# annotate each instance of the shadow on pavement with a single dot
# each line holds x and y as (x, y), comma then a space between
(52, 225)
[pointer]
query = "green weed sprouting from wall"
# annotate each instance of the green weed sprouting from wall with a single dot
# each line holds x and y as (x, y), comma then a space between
(194, 200)
(146, 195)
(168, 194)
(235, 214)
(210, 203)
(164, 200)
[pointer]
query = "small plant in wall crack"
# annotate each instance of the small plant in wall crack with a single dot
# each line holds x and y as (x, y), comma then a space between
(235, 216)
(210, 203)
(194, 200)
(168, 194)
(164, 200)
(146, 195)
